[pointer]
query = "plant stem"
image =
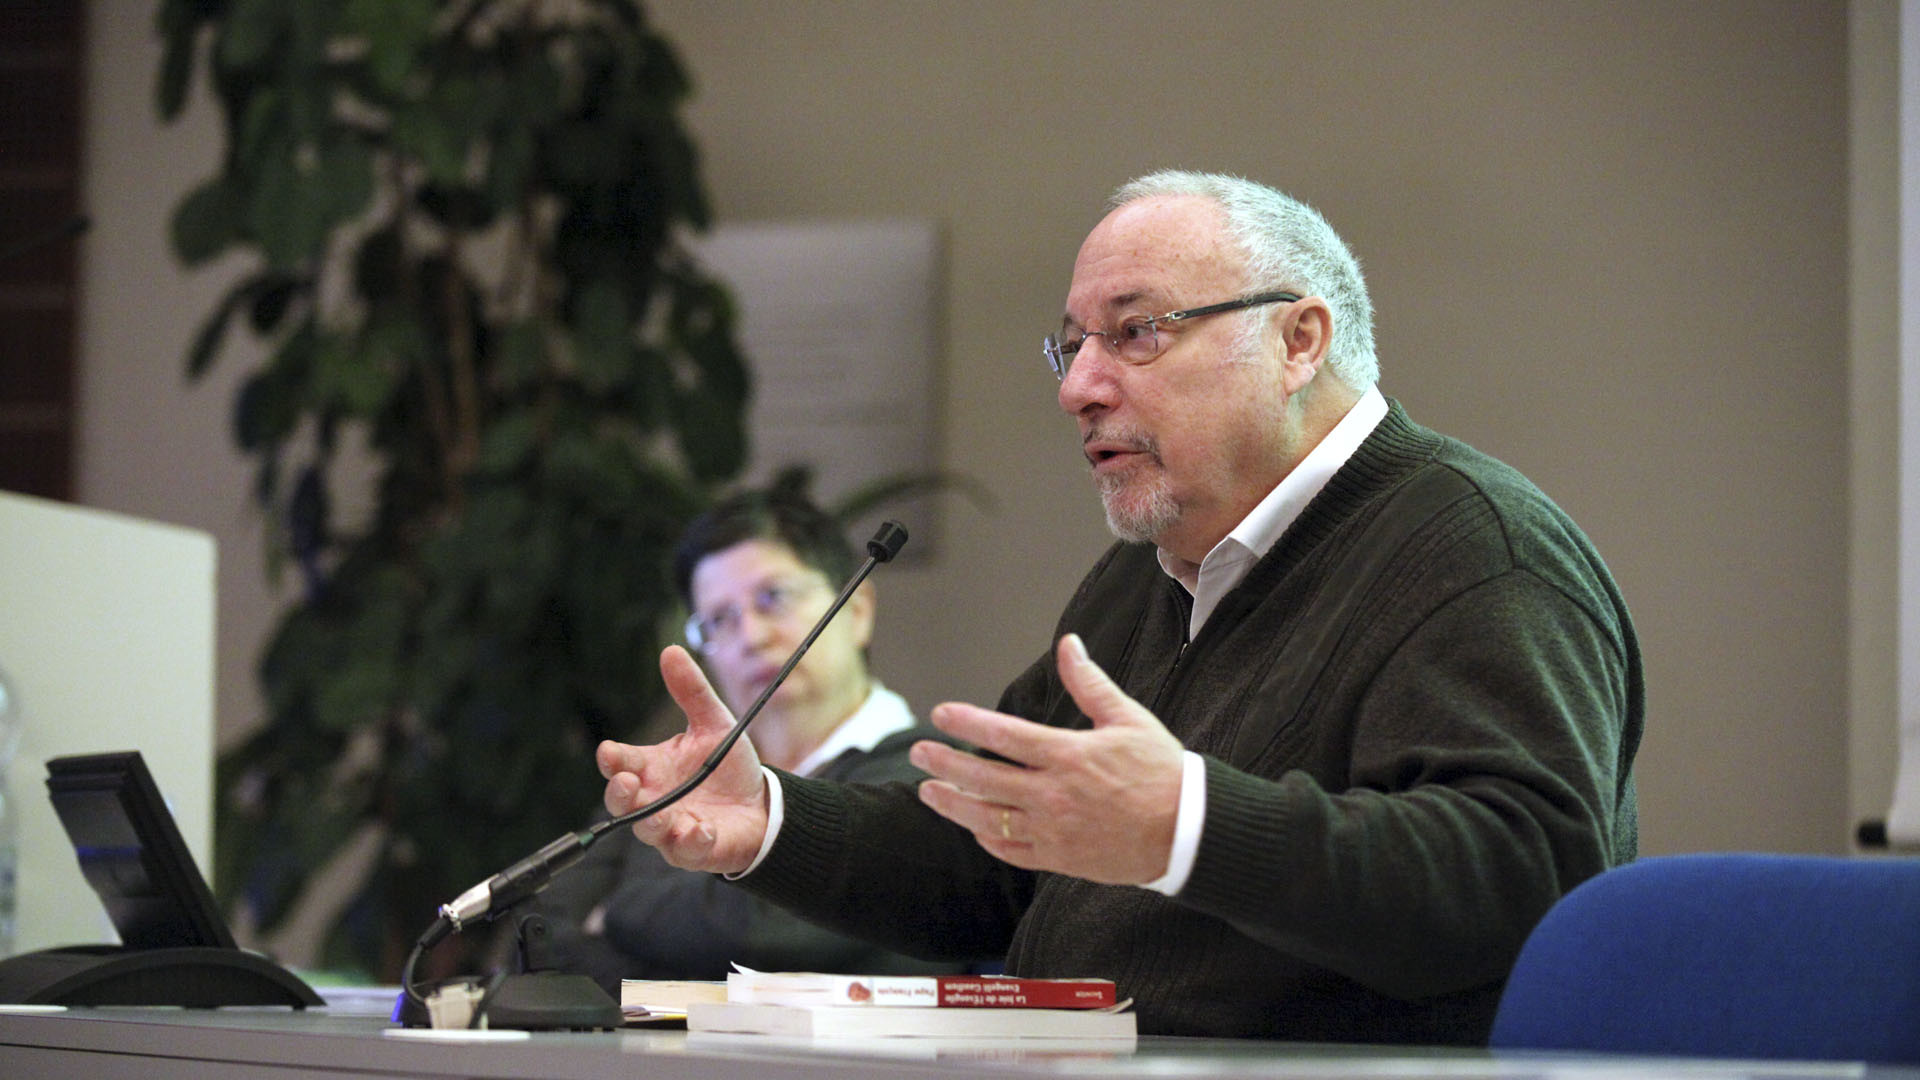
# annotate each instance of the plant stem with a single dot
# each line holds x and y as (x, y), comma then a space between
(462, 371)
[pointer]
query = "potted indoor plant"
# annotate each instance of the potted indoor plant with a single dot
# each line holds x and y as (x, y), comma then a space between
(465, 221)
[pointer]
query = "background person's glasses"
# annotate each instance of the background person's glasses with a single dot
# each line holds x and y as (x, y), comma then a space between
(1138, 340)
(774, 600)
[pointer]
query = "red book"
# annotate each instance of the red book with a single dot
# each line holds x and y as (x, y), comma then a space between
(950, 991)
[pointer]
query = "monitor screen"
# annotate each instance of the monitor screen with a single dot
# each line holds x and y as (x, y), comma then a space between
(132, 853)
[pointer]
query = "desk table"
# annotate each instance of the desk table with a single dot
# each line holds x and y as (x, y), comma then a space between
(230, 1044)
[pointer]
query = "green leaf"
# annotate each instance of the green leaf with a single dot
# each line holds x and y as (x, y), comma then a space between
(291, 211)
(713, 434)
(268, 289)
(377, 268)
(206, 222)
(536, 91)
(270, 296)
(344, 178)
(663, 76)
(356, 694)
(396, 341)
(582, 155)
(438, 130)
(357, 381)
(419, 133)
(509, 443)
(212, 334)
(251, 31)
(395, 31)
(603, 337)
(703, 322)
(266, 411)
(266, 489)
(207, 341)
(522, 355)
(264, 130)
(510, 167)
(458, 207)
(179, 24)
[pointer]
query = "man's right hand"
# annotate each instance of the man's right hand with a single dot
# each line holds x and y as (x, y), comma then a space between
(717, 827)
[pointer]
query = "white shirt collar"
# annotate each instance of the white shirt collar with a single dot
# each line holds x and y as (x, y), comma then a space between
(882, 714)
(1228, 563)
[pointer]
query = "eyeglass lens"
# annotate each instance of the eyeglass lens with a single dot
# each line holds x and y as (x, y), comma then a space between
(1136, 341)
(774, 600)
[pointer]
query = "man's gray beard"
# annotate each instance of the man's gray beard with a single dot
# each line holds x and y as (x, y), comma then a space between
(1138, 516)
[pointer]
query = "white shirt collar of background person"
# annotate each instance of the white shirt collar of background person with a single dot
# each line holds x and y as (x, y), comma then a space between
(1228, 563)
(882, 714)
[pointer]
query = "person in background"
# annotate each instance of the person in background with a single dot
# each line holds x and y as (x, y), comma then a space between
(756, 571)
(1315, 745)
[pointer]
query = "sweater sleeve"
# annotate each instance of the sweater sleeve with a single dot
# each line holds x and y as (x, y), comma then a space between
(1486, 772)
(872, 860)
(672, 923)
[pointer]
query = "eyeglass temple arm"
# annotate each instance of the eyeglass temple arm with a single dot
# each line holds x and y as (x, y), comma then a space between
(1229, 305)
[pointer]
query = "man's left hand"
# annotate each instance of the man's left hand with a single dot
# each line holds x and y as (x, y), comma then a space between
(1096, 804)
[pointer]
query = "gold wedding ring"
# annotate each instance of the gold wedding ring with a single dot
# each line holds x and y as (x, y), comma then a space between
(1006, 823)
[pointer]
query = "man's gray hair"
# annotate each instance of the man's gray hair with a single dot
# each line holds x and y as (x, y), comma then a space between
(1287, 245)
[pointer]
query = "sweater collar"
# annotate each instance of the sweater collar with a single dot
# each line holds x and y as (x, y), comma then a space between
(1228, 563)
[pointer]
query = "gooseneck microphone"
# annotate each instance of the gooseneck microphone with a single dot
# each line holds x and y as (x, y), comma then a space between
(500, 893)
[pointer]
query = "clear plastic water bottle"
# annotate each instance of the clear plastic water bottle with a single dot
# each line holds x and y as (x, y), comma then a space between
(9, 813)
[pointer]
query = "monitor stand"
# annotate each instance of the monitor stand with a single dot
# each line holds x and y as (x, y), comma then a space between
(196, 977)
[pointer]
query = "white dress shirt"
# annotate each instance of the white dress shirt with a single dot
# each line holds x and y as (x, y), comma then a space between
(882, 714)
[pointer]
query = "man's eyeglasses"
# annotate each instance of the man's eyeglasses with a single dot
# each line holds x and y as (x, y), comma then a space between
(774, 600)
(1137, 340)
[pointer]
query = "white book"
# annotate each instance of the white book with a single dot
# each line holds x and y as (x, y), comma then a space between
(919, 991)
(860, 1021)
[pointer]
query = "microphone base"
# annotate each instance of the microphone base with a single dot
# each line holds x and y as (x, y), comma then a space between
(538, 1001)
(551, 1000)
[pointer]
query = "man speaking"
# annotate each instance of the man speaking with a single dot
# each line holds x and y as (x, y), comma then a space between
(1346, 709)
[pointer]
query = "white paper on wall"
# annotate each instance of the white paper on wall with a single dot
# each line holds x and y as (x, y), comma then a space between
(841, 323)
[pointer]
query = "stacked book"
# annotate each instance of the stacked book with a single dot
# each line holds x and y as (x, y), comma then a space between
(657, 1002)
(811, 1006)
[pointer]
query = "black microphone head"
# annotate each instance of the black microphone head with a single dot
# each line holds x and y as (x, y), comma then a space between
(887, 541)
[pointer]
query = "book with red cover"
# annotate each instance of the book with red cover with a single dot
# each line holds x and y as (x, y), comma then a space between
(949, 991)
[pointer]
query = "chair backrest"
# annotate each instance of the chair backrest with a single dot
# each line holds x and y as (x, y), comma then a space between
(1727, 955)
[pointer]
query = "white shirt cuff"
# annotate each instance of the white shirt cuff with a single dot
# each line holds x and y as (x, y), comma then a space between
(776, 813)
(1186, 826)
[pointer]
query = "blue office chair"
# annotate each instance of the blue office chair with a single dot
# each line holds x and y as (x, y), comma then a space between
(1727, 955)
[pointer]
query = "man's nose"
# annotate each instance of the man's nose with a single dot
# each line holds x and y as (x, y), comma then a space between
(756, 627)
(1090, 380)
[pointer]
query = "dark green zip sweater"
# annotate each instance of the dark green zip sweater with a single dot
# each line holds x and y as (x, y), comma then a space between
(1419, 713)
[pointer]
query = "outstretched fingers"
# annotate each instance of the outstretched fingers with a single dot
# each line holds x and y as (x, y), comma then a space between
(1091, 688)
(637, 773)
(707, 716)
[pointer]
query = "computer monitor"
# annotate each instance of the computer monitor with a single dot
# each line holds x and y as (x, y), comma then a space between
(175, 949)
(132, 854)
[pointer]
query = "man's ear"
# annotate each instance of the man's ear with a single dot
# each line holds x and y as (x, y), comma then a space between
(860, 611)
(1306, 329)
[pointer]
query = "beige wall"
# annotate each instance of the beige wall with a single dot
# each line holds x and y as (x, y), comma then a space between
(1607, 242)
